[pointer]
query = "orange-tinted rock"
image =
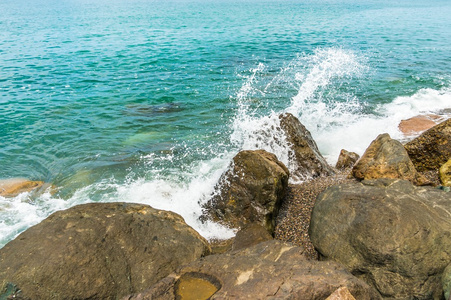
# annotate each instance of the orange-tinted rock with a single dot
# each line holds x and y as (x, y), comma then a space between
(418, 124)
(14, 186)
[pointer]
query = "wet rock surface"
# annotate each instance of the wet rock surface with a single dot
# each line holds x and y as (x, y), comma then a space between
(251, 191)
(310, 162)
(98, 251)
(390, 233)
(14, 186)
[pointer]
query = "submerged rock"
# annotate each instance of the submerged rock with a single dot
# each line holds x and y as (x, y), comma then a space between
(98, 251)
(431, 149)
(390, 233)
(346, 159)
(310, 163)
(387, 158)
(15, 186)
(268, 270)
(250, 191)
(445, 173)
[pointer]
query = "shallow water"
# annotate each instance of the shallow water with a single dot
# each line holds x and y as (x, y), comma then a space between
(147, 101)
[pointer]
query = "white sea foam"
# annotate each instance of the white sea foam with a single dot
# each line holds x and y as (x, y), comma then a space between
(354, 132)
(322, 100)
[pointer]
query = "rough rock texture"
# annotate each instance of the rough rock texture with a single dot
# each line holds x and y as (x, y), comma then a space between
(446, 281)
(418, 124)
(431, 149)
(14, 186)
(386, 158)
(269, 270)
(251, 190)
(346, 159)
(341, 294)
(310, 162)
(391, 234)
(250, 235)
(293, 220)
(445, 173)
(98, 251)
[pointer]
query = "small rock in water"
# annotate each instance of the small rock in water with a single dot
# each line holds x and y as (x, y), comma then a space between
(417, 124)
(15, 186)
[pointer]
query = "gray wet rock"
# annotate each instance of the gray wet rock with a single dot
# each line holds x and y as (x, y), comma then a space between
(391, 234)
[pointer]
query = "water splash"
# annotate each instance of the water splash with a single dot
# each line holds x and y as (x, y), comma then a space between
(321, 101)
(319, 89)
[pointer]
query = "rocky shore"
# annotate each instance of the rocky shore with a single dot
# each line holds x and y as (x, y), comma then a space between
(374, 227)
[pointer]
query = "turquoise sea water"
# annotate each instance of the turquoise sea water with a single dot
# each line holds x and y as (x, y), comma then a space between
(147, 101)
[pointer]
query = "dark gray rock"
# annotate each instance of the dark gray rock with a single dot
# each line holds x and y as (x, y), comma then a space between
(310, 163)
(98, 251)
(251, 191)
(268, 270)
(390, 233)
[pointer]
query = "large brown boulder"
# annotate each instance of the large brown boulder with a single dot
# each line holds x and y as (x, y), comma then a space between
(309, 161)
(269, 270)
(387, 158)
(250, 191)
(431, 149)
(98, 251)
(389, 233)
